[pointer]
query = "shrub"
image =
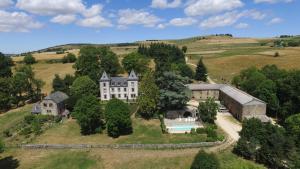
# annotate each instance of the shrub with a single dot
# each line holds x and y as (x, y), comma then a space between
(211, 133)
(201, 130)
(193, 131)
(29, 59)
(162, 124)
(69, 58)
(204, 160)
(276, 54)
(26, 131)
(7, 133)
(29, 119)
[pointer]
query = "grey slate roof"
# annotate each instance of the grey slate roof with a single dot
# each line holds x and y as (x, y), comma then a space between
(57, 97)
(118, 81)
(104, 77)
(132, 76)
(236, 94)
(204, 86)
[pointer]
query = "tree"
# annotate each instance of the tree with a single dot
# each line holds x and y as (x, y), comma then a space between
(173, 92)
(117, 115)
(109, 61)
(201, 71)
(83, 86)
(136, 62)
(204, 160)
(5, 66)
(29, 59)
(184, 49)
(88, 63)
(58, 84)
(69, 58)
(5, 93)
(292, 125)
(88, 114)
(208, 110)
(2, 146)
(184, 70)
(148, 95)
(20, 86)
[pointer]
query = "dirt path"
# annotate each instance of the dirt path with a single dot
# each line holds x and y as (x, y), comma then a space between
(231, 127)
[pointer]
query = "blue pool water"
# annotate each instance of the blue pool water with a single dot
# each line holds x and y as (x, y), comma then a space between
(183, 127)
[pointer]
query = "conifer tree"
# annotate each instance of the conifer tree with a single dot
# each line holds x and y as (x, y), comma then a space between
(201, 71)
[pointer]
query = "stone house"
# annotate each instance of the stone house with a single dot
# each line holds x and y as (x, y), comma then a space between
(53, 104)
(239, 103)
(123, 88)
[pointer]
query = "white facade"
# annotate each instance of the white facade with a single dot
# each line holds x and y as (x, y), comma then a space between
(119, 87)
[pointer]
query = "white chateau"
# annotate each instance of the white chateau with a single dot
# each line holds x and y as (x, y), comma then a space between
(119, 87)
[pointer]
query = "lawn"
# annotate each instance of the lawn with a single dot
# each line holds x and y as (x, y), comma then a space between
(115, 159)
(145, 132)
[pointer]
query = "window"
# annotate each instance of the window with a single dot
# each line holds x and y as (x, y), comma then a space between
(105, 97)
(112, 89)
(132, 83)
(50, 105)
(119, 83)
(132, 89)
(119, 95)
(125, 89)
(119, 89)
(48, 111)
(113, 96)
(104, 84)
(125, 95)
(45, 104)
(113, 83)
(104, 90)
(132, 95)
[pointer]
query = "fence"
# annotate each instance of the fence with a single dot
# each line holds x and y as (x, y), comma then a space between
(121, 146)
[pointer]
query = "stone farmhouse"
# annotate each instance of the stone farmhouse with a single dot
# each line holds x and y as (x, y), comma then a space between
(239, 103)
(53, 104)
(123, 88)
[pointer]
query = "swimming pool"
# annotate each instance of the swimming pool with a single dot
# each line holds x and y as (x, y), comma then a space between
(181, 128)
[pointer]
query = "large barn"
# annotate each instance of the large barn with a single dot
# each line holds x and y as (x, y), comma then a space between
(239, 103)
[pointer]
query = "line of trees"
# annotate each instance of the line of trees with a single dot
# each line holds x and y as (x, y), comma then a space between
(19, 87)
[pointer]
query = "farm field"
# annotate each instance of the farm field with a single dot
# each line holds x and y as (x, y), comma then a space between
(114, 159)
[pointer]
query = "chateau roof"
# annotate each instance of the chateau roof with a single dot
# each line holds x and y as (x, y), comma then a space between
(119, 80)
(57, 97)
(132, 76)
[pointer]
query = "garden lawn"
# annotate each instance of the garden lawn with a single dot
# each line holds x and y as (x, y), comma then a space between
(144, 132)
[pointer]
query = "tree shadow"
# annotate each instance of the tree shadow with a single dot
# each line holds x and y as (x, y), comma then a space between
(9, 163)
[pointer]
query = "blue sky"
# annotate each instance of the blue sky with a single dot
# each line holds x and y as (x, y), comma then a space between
(27, 25)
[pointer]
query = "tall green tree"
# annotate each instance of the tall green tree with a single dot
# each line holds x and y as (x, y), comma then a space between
(88, 63)
(135, 61)
(109, 61)
(173, 92)
(83, 86)
(204, 160)
(183, 69)
(148, 95)
(69, 58)
(89, 115)
(5, 66)
(208, 110)
(5, 93)
(117, 116)
(292, 125)
(29, 59)
(201, 71)
(184, 49)
(58, 84)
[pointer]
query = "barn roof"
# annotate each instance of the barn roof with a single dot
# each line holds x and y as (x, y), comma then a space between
(57, 97)
(240, 96)
(204, 86)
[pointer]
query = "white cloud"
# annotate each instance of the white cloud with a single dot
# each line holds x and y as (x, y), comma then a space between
(93, 11)
(272, 1)
(51, 7)
(161, 26)
(206, 7)
(257, 15)
(5, 3)
(94, 22)
(242, 26)
(275, 21)
(64, 19)
(226, 19)
(183, 21)
(137, 17)
(162, 4)
(17, 22)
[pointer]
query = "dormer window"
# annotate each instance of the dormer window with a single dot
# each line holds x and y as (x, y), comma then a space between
(119, 83)
(113, 83)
